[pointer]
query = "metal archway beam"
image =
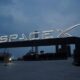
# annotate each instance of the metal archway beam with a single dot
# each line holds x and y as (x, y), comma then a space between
(42, 42)
(64, 32)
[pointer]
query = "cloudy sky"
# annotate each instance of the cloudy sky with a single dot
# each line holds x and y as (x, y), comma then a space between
(25, 16)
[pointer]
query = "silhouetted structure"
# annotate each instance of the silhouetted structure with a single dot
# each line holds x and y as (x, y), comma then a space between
(76, 55)
(64, 51)
(61, 53)
(5, 56)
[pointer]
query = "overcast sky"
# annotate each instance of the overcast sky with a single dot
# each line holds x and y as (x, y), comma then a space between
(25, 16)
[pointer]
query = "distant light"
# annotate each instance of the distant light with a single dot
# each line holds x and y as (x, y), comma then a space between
(10, 59)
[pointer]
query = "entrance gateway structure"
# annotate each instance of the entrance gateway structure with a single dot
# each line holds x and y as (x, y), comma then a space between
(48, 42)
(62, 41)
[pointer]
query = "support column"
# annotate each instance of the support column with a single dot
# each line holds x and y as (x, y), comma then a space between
(69, 50)
(36, 49)
(57, 48)
(76, 56)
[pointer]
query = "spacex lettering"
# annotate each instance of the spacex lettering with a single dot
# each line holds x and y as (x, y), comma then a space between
(36, 35)
(32, 36)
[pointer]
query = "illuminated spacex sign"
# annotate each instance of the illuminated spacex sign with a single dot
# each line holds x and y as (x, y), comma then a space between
(36, 35)
(32, 36)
